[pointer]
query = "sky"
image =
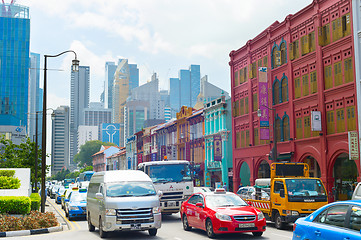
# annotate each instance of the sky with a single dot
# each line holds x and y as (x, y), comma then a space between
(161, 36)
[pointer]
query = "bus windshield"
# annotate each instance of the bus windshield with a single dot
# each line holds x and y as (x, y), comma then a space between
(169, 173)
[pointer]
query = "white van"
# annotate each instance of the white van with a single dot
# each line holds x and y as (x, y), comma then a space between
(123, 200)
(357, 192)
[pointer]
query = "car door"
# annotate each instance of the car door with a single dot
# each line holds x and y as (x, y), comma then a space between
(354, 224)
(330, 224)
(200, 214)
(191, 209)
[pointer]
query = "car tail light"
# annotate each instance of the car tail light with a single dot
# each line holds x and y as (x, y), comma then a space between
(294, 226)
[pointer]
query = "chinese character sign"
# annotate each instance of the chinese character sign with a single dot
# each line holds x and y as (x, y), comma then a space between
(263, 97)
(217, 147)
(353, 145)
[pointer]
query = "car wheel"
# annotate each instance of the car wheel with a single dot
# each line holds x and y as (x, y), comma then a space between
(91, 227)
(257, 234)
(186, 226)
(278, 221)
(101, 231)
(209, 229)
(152, 232)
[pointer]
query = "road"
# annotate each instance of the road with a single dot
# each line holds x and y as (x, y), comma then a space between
(171, 230)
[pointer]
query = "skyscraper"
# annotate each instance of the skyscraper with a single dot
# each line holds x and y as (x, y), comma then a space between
(60, 140)
(195, 72)
(35, 97)
(174, 96)
(110, 68)
(79, 100)
(14, 68)
(133, 76)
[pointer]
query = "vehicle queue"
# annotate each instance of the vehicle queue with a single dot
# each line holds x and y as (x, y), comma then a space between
(216, 211)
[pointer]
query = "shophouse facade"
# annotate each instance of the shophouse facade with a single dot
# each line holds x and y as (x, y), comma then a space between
(100, 158)
(218, 143)
(299, 73)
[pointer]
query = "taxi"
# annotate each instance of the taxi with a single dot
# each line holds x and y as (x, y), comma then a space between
(65, 196)
(76, 205)
(221, 212)
(59, 193)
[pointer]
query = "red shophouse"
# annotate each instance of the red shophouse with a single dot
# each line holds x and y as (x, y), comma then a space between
(299, 68)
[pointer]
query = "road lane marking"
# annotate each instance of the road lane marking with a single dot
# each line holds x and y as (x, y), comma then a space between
(280, 235)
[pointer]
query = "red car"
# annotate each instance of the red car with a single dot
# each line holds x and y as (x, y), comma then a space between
(221, 212)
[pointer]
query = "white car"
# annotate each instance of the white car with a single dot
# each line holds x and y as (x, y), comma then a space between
(250, 193)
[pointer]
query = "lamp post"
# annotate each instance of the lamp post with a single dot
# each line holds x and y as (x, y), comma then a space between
(75, 68)
(274, 149)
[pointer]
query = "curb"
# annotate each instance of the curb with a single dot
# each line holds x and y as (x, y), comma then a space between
(31, 232)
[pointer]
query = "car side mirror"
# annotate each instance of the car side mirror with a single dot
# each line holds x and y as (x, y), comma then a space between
(160, 193)
(199, 204)
(99, 196)
(282, 193)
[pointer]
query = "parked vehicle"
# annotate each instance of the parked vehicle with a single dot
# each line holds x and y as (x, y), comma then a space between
(122, 200)
(173, 178)
(202, 189)
(76, 206)
(221, 212)
(251, 193)
(337, 220)
(357, 192)
(293, 194)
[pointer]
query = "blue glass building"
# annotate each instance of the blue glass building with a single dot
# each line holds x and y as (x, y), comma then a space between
(14, 64)
(110, 68)
(185, 87)
(195, 72)
(134, 76)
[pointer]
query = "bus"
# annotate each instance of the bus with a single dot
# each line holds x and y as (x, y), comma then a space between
(173, 178)
(84, 179)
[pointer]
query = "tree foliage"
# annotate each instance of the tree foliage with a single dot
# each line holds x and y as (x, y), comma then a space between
(84, 157)
(20, 156)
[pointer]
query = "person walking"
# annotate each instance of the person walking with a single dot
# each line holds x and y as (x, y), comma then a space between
(224, 186)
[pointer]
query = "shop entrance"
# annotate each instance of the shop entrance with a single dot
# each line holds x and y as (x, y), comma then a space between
(264, 170)
(345, 174)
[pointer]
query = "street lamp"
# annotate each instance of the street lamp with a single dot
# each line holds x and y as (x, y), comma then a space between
(274, 150)
(74, 68)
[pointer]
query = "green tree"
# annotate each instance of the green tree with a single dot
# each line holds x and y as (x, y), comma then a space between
(84, 157)
(20, 156)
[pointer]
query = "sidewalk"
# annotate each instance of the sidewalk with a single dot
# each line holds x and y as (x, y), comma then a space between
(50, 207)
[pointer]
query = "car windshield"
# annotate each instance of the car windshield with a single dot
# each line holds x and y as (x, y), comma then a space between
(169, 173)
(78, 197)
(305, 187)
(224, 200)
(61, 191)
(130, 189)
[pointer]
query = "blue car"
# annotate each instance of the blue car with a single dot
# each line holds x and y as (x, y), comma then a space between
(58, 194)
(75, 205)
(336, 221)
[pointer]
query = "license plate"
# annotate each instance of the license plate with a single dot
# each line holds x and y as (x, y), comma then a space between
(171, 204)
(246, 225)
(135, 227)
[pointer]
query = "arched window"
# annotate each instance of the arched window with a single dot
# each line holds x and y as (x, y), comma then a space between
(276, 92)
(283, 53)
(285, 128)
(274, 55)
(284, 90)
(278, 129)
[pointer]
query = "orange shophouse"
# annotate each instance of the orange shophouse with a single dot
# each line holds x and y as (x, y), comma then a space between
(297, 77)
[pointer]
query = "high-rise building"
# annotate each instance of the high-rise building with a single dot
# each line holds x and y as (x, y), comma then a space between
(79, 100)
(110, 68)
(209, 92)
(133, 76)
(35, 98)
(185, 88)
(174, 96)
(15, 62)
(96, 114)
(60, 140)
(87, 133)
(195, 72)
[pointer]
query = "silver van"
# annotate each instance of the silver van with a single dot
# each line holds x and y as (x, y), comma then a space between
(123, 200)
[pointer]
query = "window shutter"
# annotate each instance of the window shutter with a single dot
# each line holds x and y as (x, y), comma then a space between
(278, 58)
(292, 56)
(321, 38)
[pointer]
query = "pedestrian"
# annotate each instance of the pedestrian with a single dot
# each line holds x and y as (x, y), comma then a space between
(225, 186)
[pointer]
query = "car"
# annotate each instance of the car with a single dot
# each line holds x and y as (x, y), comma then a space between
(357, 192)
(76, 206)
(337, 220)
(66, 196)
(202, 189)
(53, 191)
(59, 193)
(221, 212)
(250, 193)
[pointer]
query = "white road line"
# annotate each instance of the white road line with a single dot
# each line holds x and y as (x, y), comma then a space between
(177, 238)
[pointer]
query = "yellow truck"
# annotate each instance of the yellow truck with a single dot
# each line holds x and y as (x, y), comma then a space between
(293, 193)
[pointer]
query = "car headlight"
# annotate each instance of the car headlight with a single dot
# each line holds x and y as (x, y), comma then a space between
(156, 210)
(293, 213)
(260, 216)
(223, 217)
(110, 212)
(73, 208)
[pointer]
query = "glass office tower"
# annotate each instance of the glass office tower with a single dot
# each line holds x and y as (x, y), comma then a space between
(14, 64)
